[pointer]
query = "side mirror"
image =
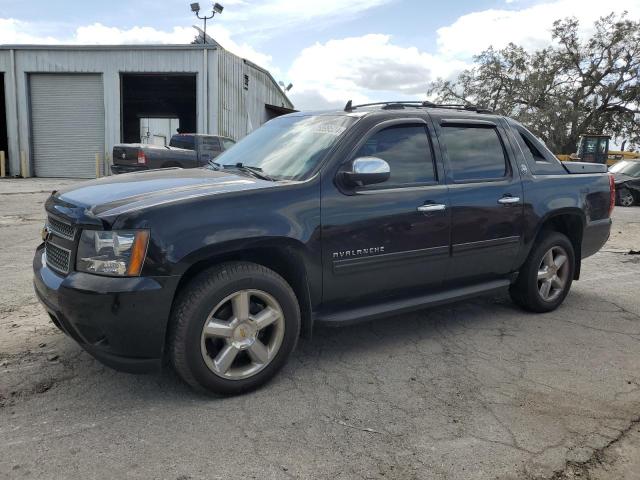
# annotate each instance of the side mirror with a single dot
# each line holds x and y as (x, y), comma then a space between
(367, 170)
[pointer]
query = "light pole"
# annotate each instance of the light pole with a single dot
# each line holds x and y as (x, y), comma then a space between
(195, 8)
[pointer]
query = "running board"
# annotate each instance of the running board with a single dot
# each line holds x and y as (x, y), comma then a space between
(394, 307)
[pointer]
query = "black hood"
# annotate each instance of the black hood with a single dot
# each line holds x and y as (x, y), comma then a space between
(118, 194)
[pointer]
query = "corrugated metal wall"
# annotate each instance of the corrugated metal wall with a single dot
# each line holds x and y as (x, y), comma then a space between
(230, 108)
(241, 106)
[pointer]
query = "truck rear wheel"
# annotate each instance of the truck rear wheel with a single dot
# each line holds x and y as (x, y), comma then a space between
(233, 327)
(545, 278)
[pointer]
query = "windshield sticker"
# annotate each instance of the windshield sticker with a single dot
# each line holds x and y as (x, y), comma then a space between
(328, 129)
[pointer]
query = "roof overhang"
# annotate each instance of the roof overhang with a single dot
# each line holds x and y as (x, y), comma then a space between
(279, 110)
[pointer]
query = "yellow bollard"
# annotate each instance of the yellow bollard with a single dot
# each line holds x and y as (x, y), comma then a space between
(97, 165)
(3, 165)
(24, 172)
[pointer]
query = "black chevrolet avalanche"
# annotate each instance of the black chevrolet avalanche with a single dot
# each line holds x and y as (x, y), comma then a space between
(332, 218)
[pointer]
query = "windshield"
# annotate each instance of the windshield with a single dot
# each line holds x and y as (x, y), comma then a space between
(627, 168)
(287, 148)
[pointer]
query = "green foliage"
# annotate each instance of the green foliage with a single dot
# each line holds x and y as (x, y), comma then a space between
(572, 87)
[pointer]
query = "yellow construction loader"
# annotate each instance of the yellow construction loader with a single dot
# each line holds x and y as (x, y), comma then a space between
(594, 148)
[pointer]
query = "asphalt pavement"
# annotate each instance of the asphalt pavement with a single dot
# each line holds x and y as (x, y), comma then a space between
(474, 390)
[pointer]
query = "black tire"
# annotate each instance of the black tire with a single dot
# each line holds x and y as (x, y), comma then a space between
(526, 290)
(624, 197)
(193, 306)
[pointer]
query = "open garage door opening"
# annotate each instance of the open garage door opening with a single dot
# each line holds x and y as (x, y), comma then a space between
(4, 143)
(156, 106)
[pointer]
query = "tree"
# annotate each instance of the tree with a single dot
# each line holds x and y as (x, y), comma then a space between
(572, 87)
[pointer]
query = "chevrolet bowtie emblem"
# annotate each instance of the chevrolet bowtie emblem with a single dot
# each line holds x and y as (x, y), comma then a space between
(243, 334)
(44, 233)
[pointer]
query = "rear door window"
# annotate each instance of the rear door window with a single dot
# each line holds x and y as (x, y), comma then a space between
(474, 153)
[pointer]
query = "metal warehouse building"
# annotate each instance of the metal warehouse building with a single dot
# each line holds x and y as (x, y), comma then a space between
(64, 105)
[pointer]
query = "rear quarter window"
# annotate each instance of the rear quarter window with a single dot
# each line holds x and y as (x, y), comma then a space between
(539, 159)
(183, 141)
(474, 153)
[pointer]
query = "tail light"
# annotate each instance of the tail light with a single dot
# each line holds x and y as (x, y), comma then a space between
(612, 194)
(142, 160)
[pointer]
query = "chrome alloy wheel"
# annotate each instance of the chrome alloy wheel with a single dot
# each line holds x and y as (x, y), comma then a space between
(553, 273)
(242, 334)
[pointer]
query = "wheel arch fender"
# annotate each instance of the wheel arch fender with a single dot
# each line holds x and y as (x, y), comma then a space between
(286, 256)
(570, 221)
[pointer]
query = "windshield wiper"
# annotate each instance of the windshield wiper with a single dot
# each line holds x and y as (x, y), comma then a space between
(255, 171)
(215, 165)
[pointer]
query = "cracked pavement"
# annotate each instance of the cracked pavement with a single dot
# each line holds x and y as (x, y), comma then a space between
(474, 390)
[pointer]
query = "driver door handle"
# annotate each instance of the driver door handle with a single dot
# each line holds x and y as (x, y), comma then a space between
(432, 207)
(509, 200)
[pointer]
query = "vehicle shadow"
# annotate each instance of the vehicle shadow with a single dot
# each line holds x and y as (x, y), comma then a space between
(330, 350)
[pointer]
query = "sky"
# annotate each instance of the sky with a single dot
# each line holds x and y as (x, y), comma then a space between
(330, 50)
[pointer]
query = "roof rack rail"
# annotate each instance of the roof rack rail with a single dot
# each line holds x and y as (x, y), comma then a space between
(349, 107)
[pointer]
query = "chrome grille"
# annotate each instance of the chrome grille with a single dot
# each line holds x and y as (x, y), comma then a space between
(57, 258)
(61, 229)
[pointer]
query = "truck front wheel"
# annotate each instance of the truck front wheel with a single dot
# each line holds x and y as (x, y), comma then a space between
(624, 197)
(233, 327)
(545, 279)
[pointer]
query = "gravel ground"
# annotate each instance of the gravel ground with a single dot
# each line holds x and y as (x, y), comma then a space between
(476, 390)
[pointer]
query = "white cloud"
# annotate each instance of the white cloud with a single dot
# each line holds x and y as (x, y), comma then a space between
(20, 32)
(372, 67)
(362, 68)
(98, 34)
(17, 31)
(530, 27)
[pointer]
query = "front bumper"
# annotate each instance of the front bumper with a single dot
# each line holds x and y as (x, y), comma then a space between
(122, 322)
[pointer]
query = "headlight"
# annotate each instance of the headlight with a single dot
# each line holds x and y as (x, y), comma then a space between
(116, 253)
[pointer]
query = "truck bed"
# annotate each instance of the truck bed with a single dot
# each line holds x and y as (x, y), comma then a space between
(125, 157)
(584, 167)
